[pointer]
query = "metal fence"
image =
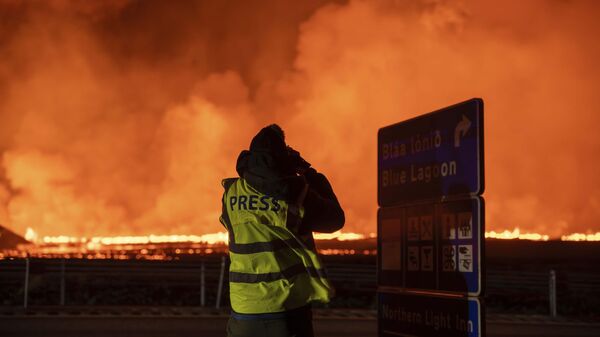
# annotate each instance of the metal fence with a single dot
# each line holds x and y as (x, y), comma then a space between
(204, 283)
(80, 282)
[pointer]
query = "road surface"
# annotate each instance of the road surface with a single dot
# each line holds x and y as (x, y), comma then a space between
(116, 322)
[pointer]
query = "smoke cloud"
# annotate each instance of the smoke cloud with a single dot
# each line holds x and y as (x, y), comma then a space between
(122, 117)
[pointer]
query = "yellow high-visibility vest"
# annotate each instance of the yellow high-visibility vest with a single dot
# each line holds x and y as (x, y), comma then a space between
(273, 269)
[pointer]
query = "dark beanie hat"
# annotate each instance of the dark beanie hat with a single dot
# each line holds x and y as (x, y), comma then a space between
(270, 139)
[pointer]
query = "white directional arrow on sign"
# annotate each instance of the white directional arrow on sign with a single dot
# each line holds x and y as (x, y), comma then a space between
(461, 129)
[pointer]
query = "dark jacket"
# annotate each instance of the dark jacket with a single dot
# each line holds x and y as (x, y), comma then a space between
(267, 168)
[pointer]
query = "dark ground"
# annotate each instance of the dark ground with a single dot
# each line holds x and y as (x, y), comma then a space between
(211, 323)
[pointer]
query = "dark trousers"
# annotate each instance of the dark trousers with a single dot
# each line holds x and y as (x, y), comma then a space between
(298, 324)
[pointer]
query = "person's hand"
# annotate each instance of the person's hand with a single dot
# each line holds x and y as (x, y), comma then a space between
(309, 172)
(298, 163)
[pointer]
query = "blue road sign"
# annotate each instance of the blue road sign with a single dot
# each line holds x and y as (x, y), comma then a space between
(405, 314)
(432, 156)
(432, 246)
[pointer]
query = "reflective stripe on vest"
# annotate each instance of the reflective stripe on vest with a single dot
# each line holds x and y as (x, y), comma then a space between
(272, 269)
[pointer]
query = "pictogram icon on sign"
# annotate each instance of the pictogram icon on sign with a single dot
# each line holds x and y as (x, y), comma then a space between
(461, 129)
(427, 258)
(413, 228)
(448, 226)
(465, 258)
(426, 227)
(465, 225)
(449, 258)
(413, 258)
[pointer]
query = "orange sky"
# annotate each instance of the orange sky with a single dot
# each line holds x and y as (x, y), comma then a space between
(121, 117)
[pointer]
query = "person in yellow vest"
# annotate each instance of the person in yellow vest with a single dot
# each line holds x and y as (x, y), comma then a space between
(270, 212)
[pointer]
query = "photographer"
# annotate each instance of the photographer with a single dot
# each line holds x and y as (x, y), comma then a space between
(270, 212)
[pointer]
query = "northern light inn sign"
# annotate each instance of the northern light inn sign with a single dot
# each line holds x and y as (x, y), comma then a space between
(405, 314)
(432, 156)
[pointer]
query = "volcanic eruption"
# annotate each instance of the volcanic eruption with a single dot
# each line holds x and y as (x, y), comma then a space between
(120, 118)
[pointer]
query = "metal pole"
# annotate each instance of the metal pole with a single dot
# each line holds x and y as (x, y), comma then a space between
(202, 285)
(62, 281)
(220, 288)
(26, 288)
(552, 295)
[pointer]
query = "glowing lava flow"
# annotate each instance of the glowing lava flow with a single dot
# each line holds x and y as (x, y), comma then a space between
(212, 238)
(168, 247)
(581, 237)
(516, 234)
(154, 247)
(340, 236)
(31, 235)
(222, 238)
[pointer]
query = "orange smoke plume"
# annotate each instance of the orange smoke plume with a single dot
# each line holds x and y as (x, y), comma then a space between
(122, 117)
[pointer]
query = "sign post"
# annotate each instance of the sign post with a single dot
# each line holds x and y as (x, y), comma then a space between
(431, 224)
